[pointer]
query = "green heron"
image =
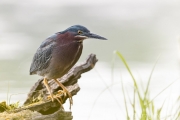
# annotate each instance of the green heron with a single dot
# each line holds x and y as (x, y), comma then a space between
(58, 54)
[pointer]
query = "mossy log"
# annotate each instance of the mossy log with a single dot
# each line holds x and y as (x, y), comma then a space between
(37, 97)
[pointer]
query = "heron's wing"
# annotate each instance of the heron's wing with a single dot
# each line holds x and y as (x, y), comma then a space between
(42, 56)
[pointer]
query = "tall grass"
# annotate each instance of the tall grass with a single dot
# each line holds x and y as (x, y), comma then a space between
(148, 111)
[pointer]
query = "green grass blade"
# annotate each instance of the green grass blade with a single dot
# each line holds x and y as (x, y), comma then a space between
(135, 86)
(159, 112)
(178, 109)
(134, 107)
(127, 115)
(150, 76)
(163, 90)
(127, 67)
(178, 116)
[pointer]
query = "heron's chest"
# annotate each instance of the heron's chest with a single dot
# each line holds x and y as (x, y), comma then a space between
(65, 56)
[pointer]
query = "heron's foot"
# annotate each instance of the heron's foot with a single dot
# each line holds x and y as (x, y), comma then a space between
(56, 97)
(66, 93)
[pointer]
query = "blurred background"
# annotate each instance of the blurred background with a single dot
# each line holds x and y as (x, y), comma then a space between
(143, 31)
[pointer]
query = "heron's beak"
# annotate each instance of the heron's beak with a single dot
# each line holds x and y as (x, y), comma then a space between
(89, 35)
(92, 35)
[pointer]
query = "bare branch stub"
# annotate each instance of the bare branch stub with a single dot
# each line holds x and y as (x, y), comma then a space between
(69, 80)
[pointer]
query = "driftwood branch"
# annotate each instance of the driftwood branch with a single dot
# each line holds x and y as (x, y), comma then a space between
(37, 97)
(58, 115)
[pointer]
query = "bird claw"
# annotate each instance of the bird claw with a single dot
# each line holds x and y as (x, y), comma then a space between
(60, 92)
(59, 98)
(65, 93)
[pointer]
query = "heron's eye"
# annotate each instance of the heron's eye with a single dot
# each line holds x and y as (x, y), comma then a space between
(80, 32)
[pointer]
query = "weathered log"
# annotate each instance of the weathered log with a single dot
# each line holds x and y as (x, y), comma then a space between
(38, 107)
(33, 115)
(37, 97)
(58, 115)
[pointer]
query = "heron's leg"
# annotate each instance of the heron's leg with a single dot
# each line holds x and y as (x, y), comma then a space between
(48, 88)
(66, 91)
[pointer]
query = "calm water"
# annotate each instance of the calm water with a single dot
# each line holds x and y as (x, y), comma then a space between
(141, 31)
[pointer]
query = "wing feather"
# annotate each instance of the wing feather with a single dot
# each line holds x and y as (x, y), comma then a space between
(42, 56)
